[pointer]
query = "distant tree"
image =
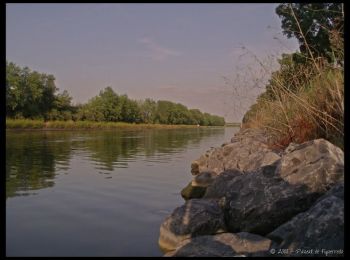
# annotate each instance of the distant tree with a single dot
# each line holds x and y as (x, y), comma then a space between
(130, 110)
(28, 93)
(63, 101)
(13, 89)
(196, 116)
(163, 111)
(148, 109)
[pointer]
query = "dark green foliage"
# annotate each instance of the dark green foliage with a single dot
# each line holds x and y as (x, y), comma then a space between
(31, 94)
(319, 22)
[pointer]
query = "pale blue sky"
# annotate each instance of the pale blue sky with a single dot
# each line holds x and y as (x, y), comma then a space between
(178, 52)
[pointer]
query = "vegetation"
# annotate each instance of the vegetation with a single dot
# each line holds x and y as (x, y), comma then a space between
(304, 99)
(76, 125)
(32, 95)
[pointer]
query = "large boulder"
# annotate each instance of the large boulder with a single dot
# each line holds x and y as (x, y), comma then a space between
(223, 245)
(195, 218)
(260, 201)
(314, 163)
(319, 228)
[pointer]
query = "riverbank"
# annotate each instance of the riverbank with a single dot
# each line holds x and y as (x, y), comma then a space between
(247, 199)
(28, 124)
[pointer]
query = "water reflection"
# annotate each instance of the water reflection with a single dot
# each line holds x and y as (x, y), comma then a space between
(33, 159)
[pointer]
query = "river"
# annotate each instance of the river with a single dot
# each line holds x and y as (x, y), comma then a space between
(97, 193)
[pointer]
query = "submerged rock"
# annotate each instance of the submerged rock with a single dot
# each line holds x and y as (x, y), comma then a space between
(223, 245)
(196, 217)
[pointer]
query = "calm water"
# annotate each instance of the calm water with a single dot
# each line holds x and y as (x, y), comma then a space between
(97, 193)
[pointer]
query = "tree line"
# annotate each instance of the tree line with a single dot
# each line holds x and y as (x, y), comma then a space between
(34, 95)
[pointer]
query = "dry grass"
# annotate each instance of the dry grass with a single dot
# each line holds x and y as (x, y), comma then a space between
(313, 110)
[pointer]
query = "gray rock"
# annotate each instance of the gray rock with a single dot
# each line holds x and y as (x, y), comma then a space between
(223, 245)
(195, 218)
(260, 201)
(204, 179)
(222, 184)
(311, 163)
(319, 228)
(247, 151)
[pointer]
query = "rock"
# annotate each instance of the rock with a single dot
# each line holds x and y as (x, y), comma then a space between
(197, 187)
(247, 151)
(291, 147)
(251, 134)
(195, 167)
(204, 179)
(223, 245)
(321, 227)
(226, 143)
(193, 192)
(310, 164)
(195, 218)
(221, 185)
(260, 201)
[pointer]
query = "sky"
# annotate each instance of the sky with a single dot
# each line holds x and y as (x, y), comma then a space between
(204, 56)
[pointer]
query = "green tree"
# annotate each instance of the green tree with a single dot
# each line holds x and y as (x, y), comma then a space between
(13, 89)
(130, 111)
(162, 114)
(28, 93)
(196, 116)
(48, 97)
(148, 109)
(314, 25)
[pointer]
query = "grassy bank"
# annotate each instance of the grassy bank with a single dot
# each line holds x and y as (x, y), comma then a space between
(302, 110)
(28, 124)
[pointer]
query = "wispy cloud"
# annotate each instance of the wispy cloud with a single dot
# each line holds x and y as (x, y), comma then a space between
(158, 52)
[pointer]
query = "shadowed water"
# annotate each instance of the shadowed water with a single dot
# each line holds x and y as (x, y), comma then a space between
(97, 193)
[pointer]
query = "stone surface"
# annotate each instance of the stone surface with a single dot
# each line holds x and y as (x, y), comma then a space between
(196, 217)
(247, 151)
(197, 187)
(193, 192)
(313, 163)
(223, 245)
(321, 227)
(260, 201)
(294, 197)
(204, 179)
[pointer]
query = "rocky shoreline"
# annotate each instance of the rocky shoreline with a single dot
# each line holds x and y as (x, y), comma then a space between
(246, 199)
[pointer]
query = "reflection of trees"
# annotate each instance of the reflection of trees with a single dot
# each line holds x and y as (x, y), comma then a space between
(31, 160)
(164, 141)
(107, 148)
(110, 149)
